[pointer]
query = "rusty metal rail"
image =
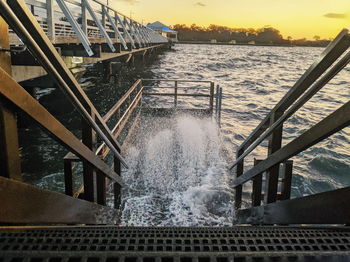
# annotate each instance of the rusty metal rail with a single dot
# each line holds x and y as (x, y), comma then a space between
(330, 63)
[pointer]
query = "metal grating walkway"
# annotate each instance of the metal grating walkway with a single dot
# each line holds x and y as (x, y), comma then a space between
(118, 244)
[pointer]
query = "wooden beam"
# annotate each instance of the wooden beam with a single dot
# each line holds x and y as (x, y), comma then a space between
(324, 208)
(23, 203)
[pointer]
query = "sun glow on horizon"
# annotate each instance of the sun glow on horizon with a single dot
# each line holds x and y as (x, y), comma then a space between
(295, 18)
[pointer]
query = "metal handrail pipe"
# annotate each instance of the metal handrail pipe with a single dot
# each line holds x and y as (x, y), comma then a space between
(333, 123)
(172, 94)
(99, 149)
(9, 15)
(178, 80)
(302, 100)
(179, 87)
(121, 101)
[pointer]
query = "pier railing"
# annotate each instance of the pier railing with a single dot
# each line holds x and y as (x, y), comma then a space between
(87, 22)
(119, 118)
(179, 88)
(320, 208)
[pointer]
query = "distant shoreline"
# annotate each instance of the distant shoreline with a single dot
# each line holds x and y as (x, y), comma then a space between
(241, 44)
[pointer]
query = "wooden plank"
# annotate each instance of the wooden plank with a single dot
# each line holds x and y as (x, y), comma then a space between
(324, 208)
(22, 203)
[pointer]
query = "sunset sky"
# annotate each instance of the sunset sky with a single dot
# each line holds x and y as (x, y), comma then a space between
(295, 18)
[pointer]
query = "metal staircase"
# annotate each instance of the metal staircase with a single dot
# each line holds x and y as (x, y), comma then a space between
(44, 226)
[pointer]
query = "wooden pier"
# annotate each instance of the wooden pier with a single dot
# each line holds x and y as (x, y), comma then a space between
(83, 32)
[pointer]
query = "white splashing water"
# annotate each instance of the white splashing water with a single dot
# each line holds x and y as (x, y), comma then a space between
(177, 176)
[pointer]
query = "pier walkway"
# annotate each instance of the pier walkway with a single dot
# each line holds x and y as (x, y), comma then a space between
(83, 32)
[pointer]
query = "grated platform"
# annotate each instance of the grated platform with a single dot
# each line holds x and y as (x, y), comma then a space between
(128, 244)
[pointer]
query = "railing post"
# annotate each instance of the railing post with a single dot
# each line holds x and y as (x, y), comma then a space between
(84, 18)
(88, 139)
(220, 105)
(101, 188)
(68, 177)
(175, 97)
(275, 143)
(50, 19)
(287, 171)
(257, 187)
(212, 91)
(238, 189)
(217, 100)
(103, 22)
(10, 163)
(117, 188)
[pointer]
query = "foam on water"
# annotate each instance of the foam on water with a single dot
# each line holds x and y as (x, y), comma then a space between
(177, 175)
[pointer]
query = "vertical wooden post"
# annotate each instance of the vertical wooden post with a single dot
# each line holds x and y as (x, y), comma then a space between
(68, 177)
(175, 97)
(217, 100)
(117, 188)
(212, 91)
(50, 19)
(84, 17)
(10, 163)
(88, 170)
(287, 171)
(239, 188)
(275, 143)
(257, 187)
(101, 188)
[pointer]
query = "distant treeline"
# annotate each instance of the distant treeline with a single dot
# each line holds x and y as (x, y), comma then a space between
(223, 34)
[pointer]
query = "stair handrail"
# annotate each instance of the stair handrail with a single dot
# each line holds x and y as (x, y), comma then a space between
(14, 16)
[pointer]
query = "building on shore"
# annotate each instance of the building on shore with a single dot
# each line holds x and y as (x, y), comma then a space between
(164, 31)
